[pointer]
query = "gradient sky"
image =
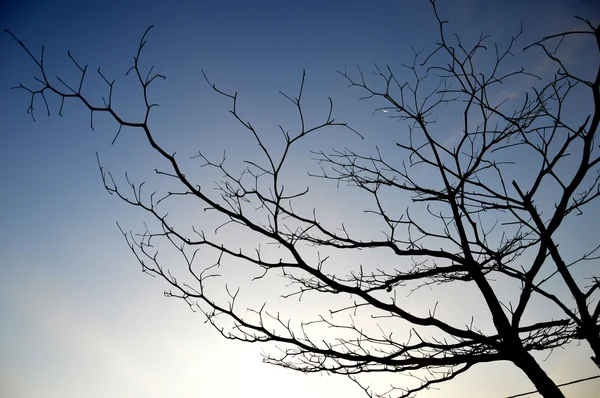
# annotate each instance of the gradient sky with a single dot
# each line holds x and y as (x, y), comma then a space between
(77, 318)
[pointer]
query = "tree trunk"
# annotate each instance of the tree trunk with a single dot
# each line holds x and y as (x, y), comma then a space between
(591, 333)
(594, 342)
(544, 384)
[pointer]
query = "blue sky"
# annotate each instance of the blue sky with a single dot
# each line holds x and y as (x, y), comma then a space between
(77, 316)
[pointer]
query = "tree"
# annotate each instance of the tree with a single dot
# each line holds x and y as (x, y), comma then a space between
(488, 214)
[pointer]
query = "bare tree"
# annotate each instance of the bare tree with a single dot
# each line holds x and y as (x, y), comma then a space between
(478, 206)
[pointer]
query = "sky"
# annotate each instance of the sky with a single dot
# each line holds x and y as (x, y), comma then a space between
(77, 317)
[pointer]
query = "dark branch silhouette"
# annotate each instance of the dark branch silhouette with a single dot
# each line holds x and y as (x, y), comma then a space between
(496, 190)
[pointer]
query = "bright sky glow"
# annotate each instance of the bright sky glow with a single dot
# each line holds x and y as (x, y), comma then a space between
(77, 318)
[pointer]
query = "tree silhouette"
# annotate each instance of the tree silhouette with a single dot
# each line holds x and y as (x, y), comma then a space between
(478, 207)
